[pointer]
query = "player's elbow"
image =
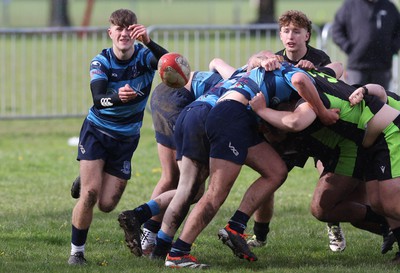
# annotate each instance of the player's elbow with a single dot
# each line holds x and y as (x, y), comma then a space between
(293, 124)
(299, 80)
(214, 64)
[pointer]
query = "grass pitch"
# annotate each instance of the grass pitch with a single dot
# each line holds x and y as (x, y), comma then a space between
(37, 169)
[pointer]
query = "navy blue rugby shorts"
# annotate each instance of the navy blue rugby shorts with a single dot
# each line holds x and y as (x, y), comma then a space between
(190, 135)
(117, 154)
(232, 129)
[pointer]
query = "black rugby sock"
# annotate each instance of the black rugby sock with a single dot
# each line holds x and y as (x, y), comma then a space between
(261, 230)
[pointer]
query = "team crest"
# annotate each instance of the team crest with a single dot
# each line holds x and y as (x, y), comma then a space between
(95, 64)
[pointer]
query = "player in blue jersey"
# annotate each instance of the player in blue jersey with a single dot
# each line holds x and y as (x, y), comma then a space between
(192, 157)
(121, 78)
(232, 130)
(165, 114)
(166, 103)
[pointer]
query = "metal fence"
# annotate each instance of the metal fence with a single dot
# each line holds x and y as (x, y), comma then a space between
(45, 72)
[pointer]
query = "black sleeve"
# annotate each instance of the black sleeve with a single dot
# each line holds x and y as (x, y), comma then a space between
(157, 51)
(327, 70)
(100, 98)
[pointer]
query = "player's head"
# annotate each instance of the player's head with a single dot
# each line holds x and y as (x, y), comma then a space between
(123, 18)
(297, 19)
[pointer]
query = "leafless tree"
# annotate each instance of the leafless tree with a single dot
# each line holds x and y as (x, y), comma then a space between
(59, 13)
(266, 11)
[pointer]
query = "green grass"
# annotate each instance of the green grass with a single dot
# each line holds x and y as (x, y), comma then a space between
(36, 171)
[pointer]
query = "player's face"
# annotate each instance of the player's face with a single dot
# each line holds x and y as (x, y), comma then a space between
(294, 38)
(121, 38)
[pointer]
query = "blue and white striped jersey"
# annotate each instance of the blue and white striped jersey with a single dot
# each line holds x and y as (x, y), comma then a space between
(125, 119)
(275, 85)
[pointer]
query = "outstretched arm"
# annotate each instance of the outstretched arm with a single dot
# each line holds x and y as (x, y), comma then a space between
(295, 121)
(307, 90)
(337, 67)
(223, 68)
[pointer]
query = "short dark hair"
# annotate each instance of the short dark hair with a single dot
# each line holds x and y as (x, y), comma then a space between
(123, 18)
(297, 18)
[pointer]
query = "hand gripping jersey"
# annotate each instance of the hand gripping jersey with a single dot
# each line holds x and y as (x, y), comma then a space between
(353, 120)
(275, 85)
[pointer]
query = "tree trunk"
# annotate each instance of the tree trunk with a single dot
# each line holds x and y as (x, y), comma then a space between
(59, 16)
(266, 12)
(88, 13)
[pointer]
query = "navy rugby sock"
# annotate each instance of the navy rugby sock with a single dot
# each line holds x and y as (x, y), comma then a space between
(238, 222)
(79, 236)
(146, 211)
(152, 225)
(180, 248)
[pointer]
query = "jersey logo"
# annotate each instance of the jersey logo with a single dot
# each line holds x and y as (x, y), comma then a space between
(138, 90)
(106, 102)
(275, 101)
(135, 72)
(233, 149)
(379, 20)
(315, 73)
(96, 64)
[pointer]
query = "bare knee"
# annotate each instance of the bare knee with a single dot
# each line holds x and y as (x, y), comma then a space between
(283, 173)
(214, 201)
(90, 198)
(318, 212)
(279, 175)
(110, 204)
(106, 207)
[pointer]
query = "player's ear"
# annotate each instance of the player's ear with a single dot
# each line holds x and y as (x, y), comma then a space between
(308, 35)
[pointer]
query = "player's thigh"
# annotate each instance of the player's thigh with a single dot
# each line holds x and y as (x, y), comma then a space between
(223, 174)
(389, 195)
(112, 189)
(266, 161)
(333, 188)
(91, 173)
(167, 157)
(359, 194)
(373, 195)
